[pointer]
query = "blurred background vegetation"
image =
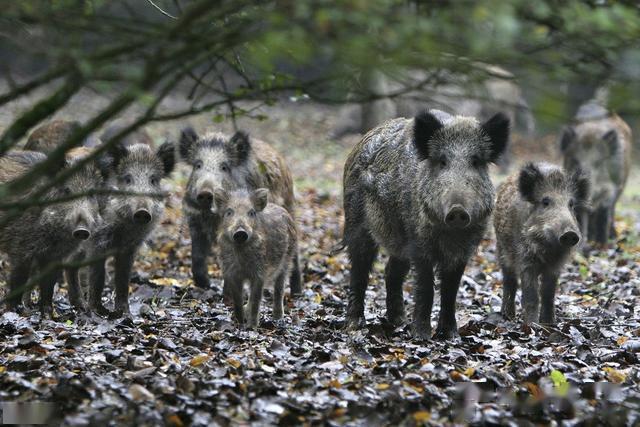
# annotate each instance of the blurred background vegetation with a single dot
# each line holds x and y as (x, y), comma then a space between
(217, 55)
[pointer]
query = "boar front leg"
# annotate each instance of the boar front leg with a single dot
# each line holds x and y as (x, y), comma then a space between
(123, 265)
(96, 281)
(547, 296)
(449, 284)
(394, 275)
(530, 290)
(295, 278)
(236, 289)
(423, 300)
(47, 285)
(255, 298)
(200, 249)
(509, 288)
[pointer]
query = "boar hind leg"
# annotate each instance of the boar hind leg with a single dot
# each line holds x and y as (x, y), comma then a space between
(124, 263)
(362, 252)
(449, 284)
(394, 275)
(200, 249)
(17, 280)
(509, 288)
(278, 296)
(423, 300)
(530, 299)
(255, 298)
(547, 296)
(295, 279)
(612, 227)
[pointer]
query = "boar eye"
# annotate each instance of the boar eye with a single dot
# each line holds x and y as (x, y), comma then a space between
(228, 212)
(66, 191)
(252, 213)
(443, 161)
(546, 201)
(475, 161)
(224, 167)
(571, 203)
(128, 179)
(198, 164)
(154, 180)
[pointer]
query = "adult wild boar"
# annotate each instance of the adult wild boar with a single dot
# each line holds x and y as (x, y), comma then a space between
(128, 219)
(420, 188)
(228, 163)
(602, 147)
(46, 137)
(536, 232)
(40, 236)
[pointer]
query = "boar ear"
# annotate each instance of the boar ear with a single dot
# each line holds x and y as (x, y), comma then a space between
(116, 152)
(581, 183)
(188, 138)
(497, 129)
(240, 146)
(260, 198)
(424, 127)
(530, 176)
(220, 197)
(611, 139)
(167, 154)
(567, 138)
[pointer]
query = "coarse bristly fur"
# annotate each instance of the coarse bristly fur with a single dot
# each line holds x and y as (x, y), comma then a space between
(41, 236)
(535, 208)
(401, 183)
(128, 219)
(263, 258)
(50, 135)
(601, 146)
(226, 162)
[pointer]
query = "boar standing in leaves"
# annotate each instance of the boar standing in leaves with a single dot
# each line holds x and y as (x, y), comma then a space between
(420, 188)
(219, 162)
(257, 242)
(536, 232)
(128, 219)
(40, 236)
(602, 147)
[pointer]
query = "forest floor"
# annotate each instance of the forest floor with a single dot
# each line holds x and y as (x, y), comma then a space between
(181, 360)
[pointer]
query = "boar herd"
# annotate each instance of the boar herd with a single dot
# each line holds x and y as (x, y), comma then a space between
(419, 188)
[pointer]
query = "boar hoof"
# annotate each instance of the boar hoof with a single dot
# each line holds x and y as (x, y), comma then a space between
(202, 282)
(508, 314)
(46, 312)
(354, 323)
(445, 334)
(396, 319)
(421, 332)
(101, 310)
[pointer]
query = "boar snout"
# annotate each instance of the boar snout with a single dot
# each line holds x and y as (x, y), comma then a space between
(81, 233)
(142, 216)
(240, 235)
(457, 217)
(205, 198)
(569, 238)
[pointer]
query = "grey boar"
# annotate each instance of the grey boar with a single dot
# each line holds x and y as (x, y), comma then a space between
(220, 162)
(536, 231)
(602, 147)
(420, 188)
(128, 220)
(41, 236)
(49, 136)
(257, 243)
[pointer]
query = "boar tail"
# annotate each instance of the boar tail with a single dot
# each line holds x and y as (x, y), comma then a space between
(337, 248)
